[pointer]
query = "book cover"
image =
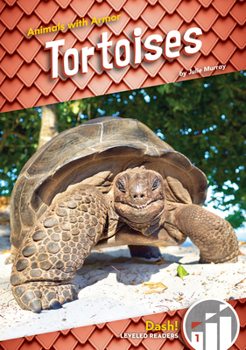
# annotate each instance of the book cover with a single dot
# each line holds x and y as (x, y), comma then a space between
(171, 77)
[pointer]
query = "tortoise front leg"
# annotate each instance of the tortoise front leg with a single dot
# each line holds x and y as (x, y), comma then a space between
(213, 235)
(57, 247)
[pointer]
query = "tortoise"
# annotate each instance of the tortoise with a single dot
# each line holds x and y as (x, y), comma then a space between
(108, 182)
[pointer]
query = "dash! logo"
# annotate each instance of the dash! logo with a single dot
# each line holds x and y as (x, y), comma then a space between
(210, 324)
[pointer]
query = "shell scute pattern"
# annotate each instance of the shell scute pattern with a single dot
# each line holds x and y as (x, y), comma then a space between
(117, 144)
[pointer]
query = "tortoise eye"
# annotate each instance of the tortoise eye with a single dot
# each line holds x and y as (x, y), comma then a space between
(155, 184)
(120, 187)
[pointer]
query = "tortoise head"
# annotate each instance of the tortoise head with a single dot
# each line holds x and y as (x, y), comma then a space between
(139, 199)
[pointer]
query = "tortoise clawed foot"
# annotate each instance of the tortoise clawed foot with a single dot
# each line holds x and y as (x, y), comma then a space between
(55, 304)
(232, 258)
(145, 252)
(10, 259)
(38, 296)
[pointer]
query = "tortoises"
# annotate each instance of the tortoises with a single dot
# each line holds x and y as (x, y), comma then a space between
(108, 182)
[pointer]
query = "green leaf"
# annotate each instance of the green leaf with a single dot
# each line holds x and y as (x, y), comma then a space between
(182, 272)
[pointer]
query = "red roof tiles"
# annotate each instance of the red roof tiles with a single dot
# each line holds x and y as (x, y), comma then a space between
(107, 336)
(222, 22)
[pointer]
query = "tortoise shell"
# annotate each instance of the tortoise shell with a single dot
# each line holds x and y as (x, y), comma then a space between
(94, 153)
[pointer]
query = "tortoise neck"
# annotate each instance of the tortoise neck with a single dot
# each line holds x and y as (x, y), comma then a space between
(146, 229)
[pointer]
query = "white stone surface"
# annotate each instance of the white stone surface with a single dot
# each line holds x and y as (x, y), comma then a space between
(110, 288)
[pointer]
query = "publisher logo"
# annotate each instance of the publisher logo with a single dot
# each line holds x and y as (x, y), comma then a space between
(210, 324)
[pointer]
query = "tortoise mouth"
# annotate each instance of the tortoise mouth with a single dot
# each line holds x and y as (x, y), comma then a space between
(142, 206)
(143, 214)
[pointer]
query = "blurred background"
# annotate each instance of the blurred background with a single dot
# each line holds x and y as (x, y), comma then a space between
(205, 119)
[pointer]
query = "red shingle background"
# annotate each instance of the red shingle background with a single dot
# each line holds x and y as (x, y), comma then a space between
(107, 335)
(25, 82)
(25, 66)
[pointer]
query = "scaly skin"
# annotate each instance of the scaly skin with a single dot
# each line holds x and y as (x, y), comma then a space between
(63, 237)
(56, 247)
(213, 235)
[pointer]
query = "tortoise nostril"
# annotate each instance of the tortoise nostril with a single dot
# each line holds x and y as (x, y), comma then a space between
(138, 196)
